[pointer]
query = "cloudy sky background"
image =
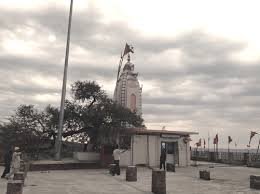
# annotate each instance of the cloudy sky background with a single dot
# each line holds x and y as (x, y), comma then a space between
(198, 61)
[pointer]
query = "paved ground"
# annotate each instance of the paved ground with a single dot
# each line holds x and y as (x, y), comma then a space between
(226, 179)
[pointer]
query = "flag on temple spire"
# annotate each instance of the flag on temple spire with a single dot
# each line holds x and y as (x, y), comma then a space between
(229, 139)
(128, 49)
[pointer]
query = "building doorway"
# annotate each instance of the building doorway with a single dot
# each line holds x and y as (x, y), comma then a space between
(172, 152)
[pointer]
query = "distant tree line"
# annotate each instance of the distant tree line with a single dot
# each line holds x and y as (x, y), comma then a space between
(90, 117)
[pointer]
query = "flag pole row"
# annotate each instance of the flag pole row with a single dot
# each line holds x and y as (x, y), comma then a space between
(216, 140)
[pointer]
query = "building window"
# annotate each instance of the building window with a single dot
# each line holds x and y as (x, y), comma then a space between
(133, 103)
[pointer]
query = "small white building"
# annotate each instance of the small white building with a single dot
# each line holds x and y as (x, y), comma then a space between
(146, 146)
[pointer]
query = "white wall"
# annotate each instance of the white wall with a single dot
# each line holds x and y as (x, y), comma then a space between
(182, 152)
(154, 155)
(149, 154)
(140, 149)
(125, 158)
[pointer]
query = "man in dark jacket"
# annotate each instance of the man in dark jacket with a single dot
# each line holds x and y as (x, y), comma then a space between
(7, 161)
(163, 159)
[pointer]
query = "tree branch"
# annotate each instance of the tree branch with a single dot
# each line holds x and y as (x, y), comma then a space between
(70, 133)
(91, 104)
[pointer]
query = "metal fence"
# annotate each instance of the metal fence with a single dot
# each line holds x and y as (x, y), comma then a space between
(222, 157)
(254, 157)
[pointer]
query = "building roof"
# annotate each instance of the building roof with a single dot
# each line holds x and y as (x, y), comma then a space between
(142, 131)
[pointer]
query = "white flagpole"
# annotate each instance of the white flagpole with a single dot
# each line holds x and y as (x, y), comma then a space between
(61, 115)
(258, 146)
(208, 147)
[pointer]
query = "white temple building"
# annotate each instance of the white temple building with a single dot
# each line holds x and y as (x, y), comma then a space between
(128, 92)
(146, 144)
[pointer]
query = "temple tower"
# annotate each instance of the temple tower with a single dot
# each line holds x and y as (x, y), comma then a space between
(128, 92)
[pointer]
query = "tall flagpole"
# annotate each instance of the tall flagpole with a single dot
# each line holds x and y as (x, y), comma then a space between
(217, 146)
(208, 148)
(258, 146)
(119, 67)
(228, 152)
(61, 115)
(118, 72)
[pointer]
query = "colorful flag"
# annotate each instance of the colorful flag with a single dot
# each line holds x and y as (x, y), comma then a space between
(216, 139)
(252, 134)
(198, 144)
(128, 49)
(229, 139)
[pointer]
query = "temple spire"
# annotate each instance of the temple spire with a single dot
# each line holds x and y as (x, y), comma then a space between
(128, 92)
(128, 57)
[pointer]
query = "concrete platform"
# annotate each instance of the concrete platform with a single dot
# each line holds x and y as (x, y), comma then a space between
(66, 164)
(225, 179)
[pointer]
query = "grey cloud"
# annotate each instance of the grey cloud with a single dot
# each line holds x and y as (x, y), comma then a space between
(204, 59)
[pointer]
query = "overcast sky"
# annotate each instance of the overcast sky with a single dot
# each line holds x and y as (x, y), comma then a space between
(198, 61)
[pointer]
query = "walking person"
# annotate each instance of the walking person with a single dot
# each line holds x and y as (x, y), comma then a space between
(15, 164)
(7, 162)
(116, 155)
(163, 159)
